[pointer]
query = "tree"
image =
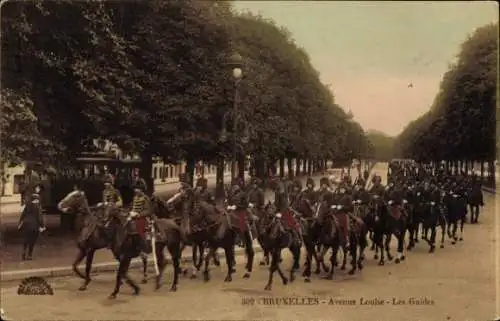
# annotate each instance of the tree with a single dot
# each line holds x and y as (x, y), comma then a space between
(463, 111)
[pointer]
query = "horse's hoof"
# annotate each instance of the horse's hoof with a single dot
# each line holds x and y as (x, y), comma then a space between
(112, 296)
(389, 258)
(453, 242)
(307, 280)
(193, 276)
(403, 258)
(268, 287)
(173, 288)
(351, 272)
(206, 276)
(336, 264)
(396, 261)
(262, 263)
(228, 278)
(432, 249)
(342, 267)
(82, 288)
(375, 257)
(292, 278)
(216, 263)
(461, 239)
(442, 246)
(285, 281)
(360, 266)
(381, 263)
(137, 291)
(246, 275)
(233, 270)
(144, 281)
(416, 241)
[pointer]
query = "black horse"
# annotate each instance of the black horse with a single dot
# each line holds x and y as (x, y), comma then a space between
(96, 232)
(129, 244)
(277, 238)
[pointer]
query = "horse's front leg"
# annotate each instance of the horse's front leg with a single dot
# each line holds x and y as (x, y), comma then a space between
(144, 259)
(250, 253)
(345, 251)
(206, 272)
(79, 258)
(462, 223)
(88, 267)
(387, 245)
(443, 231)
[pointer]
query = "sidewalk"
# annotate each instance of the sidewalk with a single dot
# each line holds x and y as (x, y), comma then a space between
(53, 256)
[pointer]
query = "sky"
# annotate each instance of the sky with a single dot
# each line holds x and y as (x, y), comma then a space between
(370, 52)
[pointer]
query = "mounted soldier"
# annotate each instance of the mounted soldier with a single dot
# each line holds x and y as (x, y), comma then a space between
(238, 202)
(138, 181)
(256, 198)
(138, 214)
(475, 199)
(344, 207)
(111, 197)
(282, 203)
(377, 188)
(325, 198)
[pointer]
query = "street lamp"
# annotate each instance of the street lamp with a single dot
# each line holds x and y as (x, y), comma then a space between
(236, 64)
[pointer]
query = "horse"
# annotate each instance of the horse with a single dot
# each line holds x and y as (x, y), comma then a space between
(277, 238)
(329, 237)
(128, 245)
(361, 212)
(173, 209)
(397, 225)
(93, 234)
(378, 217)
(433, 216)
(264, 220)
(456, 210)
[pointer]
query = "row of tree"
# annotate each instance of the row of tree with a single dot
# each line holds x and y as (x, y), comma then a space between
(155, 78)
(461, 125)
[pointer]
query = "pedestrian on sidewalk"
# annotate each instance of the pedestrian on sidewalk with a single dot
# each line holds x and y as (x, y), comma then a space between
(31, 224)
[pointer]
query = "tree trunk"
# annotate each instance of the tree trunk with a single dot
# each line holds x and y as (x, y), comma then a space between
(491, 172)
(189, 170)
(282, 167)
(467, 167)
(297, 167)
(310, 167)
(260, 168)
(219, 179)
(482, 170)
(304, 166)
(241, 167)
(290, 168)
(146, 170)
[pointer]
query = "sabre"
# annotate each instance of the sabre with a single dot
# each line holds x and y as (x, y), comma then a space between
(317, 210)
(153, 249)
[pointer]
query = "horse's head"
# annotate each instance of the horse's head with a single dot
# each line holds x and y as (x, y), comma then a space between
(74, 202)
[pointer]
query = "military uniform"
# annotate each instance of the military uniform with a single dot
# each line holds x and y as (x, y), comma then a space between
(256, 195)
(344, 206)
(238, 200)
(309, 194)
(30, 224)
(111, 195)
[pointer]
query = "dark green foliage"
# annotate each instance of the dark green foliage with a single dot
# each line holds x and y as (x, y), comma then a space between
(154, 77)
(461, 123)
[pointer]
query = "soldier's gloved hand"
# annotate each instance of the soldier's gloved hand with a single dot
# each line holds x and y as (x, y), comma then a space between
(250, 205)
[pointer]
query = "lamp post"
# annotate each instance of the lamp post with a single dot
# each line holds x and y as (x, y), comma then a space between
(236, 68)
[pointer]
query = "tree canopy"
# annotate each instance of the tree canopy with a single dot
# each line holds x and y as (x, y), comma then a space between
(154, 77)
(383, 145)
(460, 124)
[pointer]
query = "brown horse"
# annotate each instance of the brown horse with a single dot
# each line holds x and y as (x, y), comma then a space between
(93, 232)
(162, 233)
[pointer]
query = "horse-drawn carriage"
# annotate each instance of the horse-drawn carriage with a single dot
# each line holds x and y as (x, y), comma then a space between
(88, 171)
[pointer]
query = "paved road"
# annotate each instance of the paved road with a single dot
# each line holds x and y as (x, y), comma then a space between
(458, 283)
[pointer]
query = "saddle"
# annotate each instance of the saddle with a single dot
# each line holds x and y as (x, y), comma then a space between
(290, 221)
(137, 226)
(396, 212)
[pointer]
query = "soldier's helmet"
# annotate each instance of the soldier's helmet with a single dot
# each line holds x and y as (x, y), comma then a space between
(202, 182)
(324, 181)
(310, 182)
